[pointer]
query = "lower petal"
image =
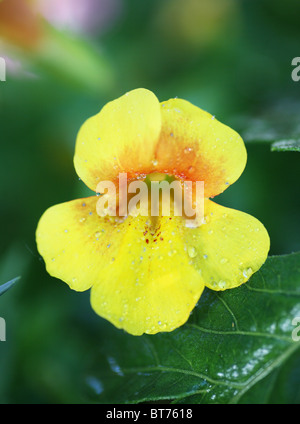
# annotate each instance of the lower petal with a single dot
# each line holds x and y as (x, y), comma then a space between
(70, 238)
(141, 276)
(151, 286)
(228, 248)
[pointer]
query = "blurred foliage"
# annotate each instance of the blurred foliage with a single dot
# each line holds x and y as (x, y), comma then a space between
(6, 286)
(232, 58)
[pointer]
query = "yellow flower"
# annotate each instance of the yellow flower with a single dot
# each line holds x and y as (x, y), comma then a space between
(146, 275)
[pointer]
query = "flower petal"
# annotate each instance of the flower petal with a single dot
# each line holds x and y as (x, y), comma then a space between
(67, 240)
(195, 146)
(122, 137)
(229, 248)
(151, 286)
(141, 274)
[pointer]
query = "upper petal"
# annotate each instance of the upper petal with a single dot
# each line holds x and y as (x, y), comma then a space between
(195, 146)
(229, 248)
(122, 137)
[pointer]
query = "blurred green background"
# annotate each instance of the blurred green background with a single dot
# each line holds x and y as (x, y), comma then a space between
(230, 57)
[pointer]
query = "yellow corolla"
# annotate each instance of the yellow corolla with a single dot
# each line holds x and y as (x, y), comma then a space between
(146, 274)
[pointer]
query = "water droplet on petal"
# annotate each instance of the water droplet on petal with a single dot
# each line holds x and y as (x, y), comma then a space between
(222, 284)
(192, 252)
(223, 261)
(187, 150)
(247, 272)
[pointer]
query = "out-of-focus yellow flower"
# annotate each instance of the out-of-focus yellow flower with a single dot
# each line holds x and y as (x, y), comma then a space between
(19, 23)
(196, 23)
(147, 274)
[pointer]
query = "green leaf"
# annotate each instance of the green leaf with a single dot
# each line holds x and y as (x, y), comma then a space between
(286, 146)
(8, 285)
(229, 351)
(279, 126)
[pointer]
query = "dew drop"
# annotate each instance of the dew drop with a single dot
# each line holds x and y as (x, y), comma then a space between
(222, 284)
(223, 261)
(187, 150)
(247, 272)
(97, 234)
(192, 252)
(205, 256)
(154, 162)
(82, 220)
